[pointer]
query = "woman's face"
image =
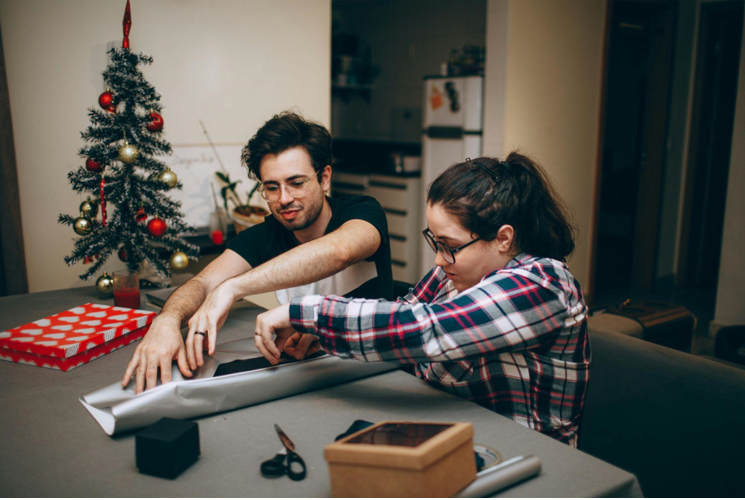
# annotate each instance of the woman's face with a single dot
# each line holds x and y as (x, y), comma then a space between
(476, 260)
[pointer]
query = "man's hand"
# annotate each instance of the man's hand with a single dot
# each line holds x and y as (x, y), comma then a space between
(301, 345)
(158, 348)
(273, 322)
(208, 319)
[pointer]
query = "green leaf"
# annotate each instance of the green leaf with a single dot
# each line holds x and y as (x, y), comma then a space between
(223, 177)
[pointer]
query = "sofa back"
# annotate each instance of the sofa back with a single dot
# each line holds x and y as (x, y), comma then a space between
(674, 420)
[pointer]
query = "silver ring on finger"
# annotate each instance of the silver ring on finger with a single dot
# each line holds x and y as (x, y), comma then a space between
(203, 334)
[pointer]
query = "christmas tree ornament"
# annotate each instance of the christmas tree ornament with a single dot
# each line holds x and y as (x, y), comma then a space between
(122, 254)
(168, 178)
(92, 165)
(179, 261)
(106, 99)
(111, 109)
(105, 285)
(156, 122)
(89, 208)
(156, 227)
(140, 215)
(83, 225)
(126, 26)
(128, 153)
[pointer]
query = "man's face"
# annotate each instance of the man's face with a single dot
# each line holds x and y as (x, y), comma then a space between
(288, 169)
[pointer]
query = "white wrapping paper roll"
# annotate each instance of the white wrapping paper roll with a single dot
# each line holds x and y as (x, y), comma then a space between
(118, 410)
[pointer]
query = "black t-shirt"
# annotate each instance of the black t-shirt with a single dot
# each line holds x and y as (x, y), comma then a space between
(370, 278)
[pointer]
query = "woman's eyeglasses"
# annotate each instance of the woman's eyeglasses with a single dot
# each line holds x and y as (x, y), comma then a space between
(448, 253)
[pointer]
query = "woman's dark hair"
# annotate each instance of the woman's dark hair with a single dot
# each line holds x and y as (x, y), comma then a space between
(487, 193)
(284, 131)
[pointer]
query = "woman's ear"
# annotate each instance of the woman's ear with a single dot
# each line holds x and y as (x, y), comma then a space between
(505, 238)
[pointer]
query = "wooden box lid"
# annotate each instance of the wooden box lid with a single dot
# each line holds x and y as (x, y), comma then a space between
(400, 445)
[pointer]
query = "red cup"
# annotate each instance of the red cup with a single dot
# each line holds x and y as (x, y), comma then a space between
(127, 289)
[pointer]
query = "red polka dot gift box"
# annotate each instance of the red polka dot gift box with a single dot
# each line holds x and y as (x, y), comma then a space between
(72, 338)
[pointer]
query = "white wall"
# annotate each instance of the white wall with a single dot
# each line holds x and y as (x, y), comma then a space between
(552, 97)
(730, 308)
(232, 63)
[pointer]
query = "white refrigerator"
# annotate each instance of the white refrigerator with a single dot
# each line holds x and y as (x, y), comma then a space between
(452, 122)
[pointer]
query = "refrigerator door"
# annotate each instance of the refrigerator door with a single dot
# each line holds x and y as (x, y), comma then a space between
(453, 102)
(473, 104)
(443, 106)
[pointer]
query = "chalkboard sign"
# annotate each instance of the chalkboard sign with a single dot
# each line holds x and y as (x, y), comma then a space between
(195, 167)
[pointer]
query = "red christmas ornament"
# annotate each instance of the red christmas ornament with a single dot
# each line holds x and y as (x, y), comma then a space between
(105, 100)
(156, 122)
(140, 215)
(123, 254)
(126, 26)
(111, 109)
(87, 260)
(92, 165)
(156, 227)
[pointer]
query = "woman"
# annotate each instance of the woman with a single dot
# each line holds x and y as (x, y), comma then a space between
(500, 320)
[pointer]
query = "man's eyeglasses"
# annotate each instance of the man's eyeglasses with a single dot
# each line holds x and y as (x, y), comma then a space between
(447, 252)
(296, 188)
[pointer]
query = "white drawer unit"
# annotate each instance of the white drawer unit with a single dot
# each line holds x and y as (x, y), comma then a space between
(401, 198)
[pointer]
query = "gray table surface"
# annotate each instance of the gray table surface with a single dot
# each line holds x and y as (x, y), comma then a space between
(51, 446)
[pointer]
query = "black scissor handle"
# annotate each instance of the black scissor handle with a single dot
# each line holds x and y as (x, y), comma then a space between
(274, 467)
(295, 473)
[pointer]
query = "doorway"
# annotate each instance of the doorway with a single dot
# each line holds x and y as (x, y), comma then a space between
(635, 126)
(712, 121)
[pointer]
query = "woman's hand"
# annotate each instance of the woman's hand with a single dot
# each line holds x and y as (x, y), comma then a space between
(207, 320)
(273, 322)
(301, 345)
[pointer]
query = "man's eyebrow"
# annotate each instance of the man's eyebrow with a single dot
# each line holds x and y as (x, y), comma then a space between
(289, 179)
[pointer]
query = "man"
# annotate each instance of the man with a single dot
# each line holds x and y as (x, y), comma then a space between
(312, 245)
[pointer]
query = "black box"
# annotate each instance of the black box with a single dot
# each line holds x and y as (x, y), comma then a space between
(167, 448)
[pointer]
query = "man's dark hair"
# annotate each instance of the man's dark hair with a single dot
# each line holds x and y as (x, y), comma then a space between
(486, 193)
(285, 131)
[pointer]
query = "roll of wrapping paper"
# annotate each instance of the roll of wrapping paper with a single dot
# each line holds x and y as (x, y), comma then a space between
(501, 476)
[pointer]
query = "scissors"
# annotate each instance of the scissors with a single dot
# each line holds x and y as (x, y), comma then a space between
(275, 467)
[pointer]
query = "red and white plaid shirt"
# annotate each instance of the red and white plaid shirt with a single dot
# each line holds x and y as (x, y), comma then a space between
(515, 343)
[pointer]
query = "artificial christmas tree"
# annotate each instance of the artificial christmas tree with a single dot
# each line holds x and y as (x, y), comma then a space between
(121, 169)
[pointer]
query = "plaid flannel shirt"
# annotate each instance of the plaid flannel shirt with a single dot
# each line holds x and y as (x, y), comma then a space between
(515, 343)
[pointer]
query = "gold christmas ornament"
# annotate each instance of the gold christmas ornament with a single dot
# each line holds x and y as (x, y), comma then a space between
(168, 177)
(105, 285)
(179, 261)
(128, 153)
(83, 225)
(89, 208)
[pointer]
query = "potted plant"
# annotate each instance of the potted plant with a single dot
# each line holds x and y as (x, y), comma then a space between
(244, 215)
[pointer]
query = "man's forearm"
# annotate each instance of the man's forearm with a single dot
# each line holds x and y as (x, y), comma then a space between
(184, 302)
(310, 262)
(304, 264)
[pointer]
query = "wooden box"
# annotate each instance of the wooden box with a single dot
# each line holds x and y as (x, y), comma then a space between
(403, 459)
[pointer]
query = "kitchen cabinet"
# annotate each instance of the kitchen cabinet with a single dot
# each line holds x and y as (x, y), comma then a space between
(401, 199)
